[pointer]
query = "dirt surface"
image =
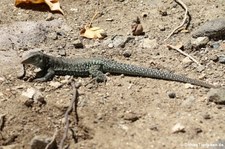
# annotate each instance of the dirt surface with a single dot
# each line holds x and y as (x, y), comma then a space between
(126, 112)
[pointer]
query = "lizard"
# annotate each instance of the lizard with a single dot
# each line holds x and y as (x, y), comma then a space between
(96, 67)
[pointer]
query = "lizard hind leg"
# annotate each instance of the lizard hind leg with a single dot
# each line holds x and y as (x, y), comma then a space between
(97, 73)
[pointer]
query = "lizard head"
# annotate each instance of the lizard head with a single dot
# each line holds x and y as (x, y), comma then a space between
(35, 58)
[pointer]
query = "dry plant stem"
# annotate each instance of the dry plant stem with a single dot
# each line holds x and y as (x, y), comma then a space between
(183, 22)
(70, 108)
(182, 52)
(53, 139)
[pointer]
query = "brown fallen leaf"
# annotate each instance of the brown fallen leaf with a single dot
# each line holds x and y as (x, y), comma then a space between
(92, 32)
(53, 4)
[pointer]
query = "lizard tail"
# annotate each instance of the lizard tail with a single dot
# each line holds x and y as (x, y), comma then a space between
(133, 70)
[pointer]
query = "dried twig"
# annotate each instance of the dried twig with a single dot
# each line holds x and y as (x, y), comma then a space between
(184, 20)
(72, 105)
(53, 143)
(182, 52)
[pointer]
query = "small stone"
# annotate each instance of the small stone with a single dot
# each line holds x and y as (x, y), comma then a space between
(172, 95)
(40, 142)
(148, 43)
(221, 59)
(162, 28)
(55, 84)
(34, 95)
(78, 44)
(206, 116)
(29, 93)
(132, 117)
(120, 41)
(109, 19)
(214, 58)
(38, 97)
(127, 53)
(49, 17)
(163, 12)
(202, 76)
(110, 45)
(21, 72)
(67, 79)
(187, 61)
(53, 35)
(215, 45)
(178, 128)
(200, 68)
(188, 102)
(62, 52)
(188, 86)
(29, 103)
(2, 79)
(216, 95)
(199, 42)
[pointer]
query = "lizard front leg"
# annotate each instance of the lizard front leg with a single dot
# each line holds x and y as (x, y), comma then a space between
(95, 72)
(50, 73)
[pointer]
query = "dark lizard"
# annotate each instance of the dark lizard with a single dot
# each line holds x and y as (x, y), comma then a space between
(96, 67)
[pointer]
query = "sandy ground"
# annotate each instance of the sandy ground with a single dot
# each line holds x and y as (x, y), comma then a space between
(126, 112)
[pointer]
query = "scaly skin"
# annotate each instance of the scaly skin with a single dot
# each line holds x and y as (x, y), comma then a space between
(96, 67)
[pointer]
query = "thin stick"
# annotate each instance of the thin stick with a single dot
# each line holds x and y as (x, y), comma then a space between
(70, 108)
(182, 52)
(183, 22)
(53, 143)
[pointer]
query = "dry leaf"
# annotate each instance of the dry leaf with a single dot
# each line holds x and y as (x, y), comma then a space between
(53, 4)
(92, 32)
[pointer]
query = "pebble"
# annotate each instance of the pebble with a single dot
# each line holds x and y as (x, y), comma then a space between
(199, 42)
(211, 29)
(29, 93)
(206, 116)
(188, 102)
(109, 19)
(200, 68)
(49, 17)
(149, 43)
(34, 95)
(132, 117)
(120, 41)
(161, 28)
(55, 84)
(216, 95)
(2, 79)
(187, 61)
(78, 44)
(221, 59)
(110, 45)
(127, 53)
(40, 142)
(215, 45)
(178, 128)
(20, 73)
(38, 97)
(214, 58)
